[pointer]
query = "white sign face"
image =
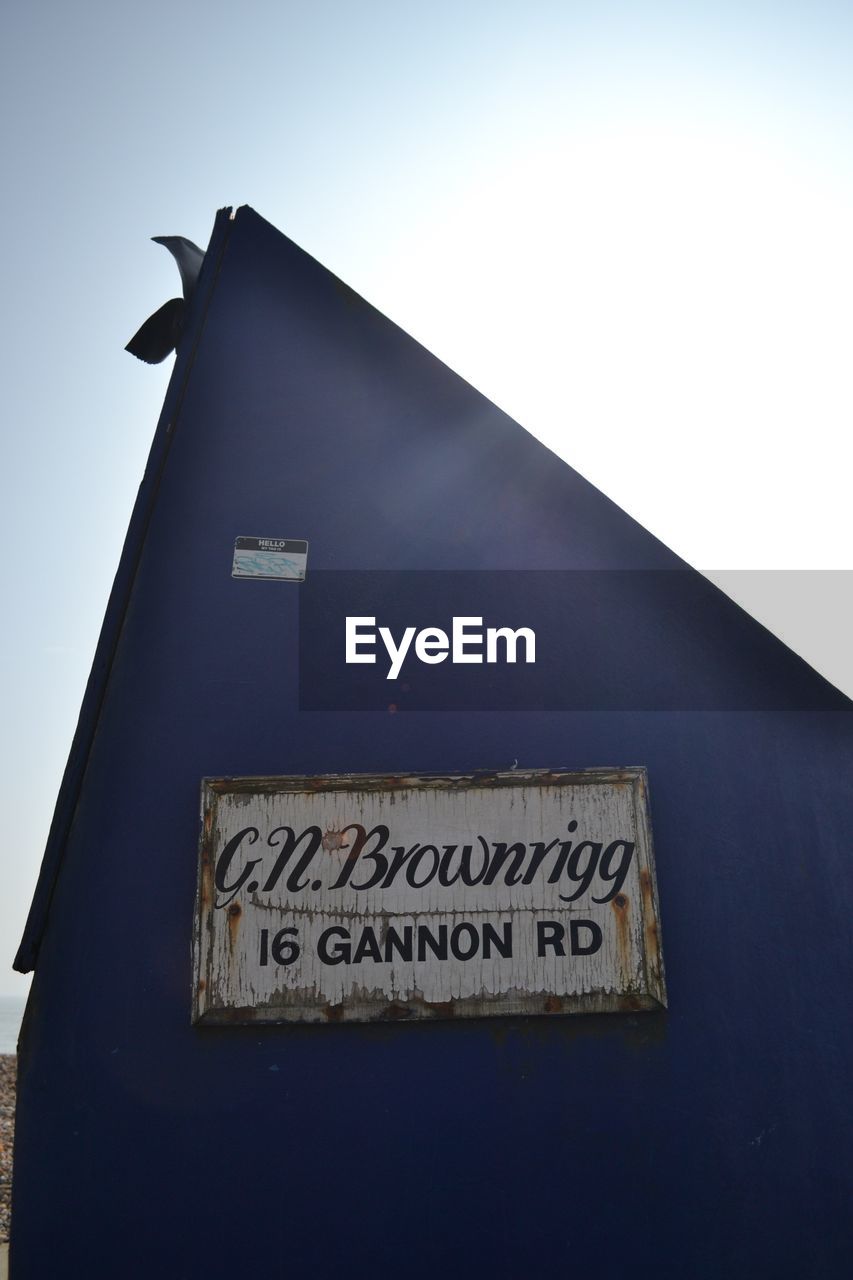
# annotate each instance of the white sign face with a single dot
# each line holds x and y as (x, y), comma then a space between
(362, 898)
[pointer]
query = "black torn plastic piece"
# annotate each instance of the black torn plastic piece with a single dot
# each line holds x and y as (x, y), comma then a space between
(161, 333)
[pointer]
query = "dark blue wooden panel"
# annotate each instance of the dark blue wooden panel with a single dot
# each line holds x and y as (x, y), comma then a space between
(711, 1140)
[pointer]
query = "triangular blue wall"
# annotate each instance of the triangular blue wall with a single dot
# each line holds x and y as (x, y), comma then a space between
(710, 1140)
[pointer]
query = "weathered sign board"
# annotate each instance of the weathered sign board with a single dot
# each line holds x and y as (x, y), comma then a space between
(355, 898)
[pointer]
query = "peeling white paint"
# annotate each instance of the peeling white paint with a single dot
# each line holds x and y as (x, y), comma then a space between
(359, 879)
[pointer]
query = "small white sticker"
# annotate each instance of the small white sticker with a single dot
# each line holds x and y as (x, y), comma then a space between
(281, 559)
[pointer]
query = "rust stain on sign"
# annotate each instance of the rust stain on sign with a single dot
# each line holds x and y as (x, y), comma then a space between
(621, 907)
(355, 897)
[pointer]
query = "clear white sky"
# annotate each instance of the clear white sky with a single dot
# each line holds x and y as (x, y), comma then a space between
(630, 224)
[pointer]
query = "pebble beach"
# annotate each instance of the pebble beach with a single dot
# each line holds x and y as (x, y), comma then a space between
(8, 1068)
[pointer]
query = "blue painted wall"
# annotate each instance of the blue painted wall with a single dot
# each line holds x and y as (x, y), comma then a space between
(710, 1140)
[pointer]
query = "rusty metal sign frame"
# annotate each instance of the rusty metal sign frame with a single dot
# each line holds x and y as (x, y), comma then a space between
(648, 994)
